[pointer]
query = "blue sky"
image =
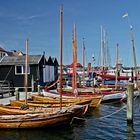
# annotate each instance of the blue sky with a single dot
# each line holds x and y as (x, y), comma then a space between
(39, 21)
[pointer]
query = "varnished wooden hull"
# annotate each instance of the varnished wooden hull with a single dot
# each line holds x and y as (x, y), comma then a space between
(41, 119)
(35, 104)
(16, 110)
(108, 96)
(43, 99)
(43, 104)
(86, 94)
(95, 100)
(21, 121)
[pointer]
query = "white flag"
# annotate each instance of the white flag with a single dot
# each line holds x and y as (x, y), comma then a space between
(125, 15)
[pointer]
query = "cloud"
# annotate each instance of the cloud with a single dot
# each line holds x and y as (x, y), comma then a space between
(29, 17)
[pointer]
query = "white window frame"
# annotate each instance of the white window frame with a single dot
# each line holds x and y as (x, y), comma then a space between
(22, 69)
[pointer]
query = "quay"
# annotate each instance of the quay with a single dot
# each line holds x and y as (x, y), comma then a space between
(6, 99)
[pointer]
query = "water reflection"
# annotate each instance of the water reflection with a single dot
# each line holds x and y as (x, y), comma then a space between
(130, 131)
(55, 133)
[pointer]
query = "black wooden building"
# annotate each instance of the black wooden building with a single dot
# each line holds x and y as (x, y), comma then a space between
(12, 68)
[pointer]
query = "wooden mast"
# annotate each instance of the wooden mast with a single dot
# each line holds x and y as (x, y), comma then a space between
(133, 48)
(61, 47)
(26, 72)
(116, 66)
(83, 54)
(74, 62)
(134, 56)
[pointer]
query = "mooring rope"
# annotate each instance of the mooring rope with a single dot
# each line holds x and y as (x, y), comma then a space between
(119, 109)
(113, 113)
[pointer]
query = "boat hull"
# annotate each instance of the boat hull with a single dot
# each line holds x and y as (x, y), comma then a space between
(61, 117)
(36, 121)
(95, 99)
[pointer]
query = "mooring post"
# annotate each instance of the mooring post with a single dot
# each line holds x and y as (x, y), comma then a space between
(32, 83)
(17, 93)
(39, 90)
(130, 90)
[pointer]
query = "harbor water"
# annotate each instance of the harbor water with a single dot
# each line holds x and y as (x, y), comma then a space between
(106, 123)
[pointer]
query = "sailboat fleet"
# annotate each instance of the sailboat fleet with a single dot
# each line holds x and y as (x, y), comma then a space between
(61, 105)
(32, 114)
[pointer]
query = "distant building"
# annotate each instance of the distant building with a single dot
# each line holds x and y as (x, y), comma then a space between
(70, 68)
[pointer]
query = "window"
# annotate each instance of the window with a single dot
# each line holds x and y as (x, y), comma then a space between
(18, 69)
(2, 54)
(21, 69)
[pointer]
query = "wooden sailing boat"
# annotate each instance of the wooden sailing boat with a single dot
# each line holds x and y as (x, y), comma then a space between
(92, 92)
(34, 108)
(51, 102)
(35, 120)
(96, 99)
(75, 101)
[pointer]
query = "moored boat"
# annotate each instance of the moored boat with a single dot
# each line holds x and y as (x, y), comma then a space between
(95, 100)
(108, 96)
(41, 101)
(38, 120)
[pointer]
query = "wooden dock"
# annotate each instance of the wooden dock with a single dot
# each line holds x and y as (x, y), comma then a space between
(6, 99)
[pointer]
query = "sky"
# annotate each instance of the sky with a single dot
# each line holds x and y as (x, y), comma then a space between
(38, 20)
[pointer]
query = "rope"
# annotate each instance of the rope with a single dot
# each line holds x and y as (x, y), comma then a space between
(7, 74)
(77, 118)
(48, 87)
(118, 110)
(113, 113)
(136, 95)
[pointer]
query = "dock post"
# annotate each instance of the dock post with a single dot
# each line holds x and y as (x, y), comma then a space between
(17, 93)
(130, 88)
(38, 87)
(32, 83)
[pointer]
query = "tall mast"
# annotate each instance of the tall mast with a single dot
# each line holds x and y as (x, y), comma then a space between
(134, 55)
(61, 47)
(104, 54)
(74, 61)
(102, 42)
(83, 54)
(133, 48)
(26, 72)
(116, 65)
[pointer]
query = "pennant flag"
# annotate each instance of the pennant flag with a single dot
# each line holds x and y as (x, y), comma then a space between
(125, 15)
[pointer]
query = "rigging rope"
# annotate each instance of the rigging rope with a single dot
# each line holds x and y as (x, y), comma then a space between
(48, 87)
(7, 74)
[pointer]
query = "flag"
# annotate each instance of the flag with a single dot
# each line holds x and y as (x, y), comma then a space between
(125, 15)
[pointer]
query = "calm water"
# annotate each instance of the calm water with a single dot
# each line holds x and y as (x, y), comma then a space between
(106, 123)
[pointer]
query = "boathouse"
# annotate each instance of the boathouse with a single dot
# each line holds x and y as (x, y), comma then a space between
(41, 70)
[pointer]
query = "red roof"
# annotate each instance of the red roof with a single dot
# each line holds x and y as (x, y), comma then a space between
(71, 65)
(2, 50)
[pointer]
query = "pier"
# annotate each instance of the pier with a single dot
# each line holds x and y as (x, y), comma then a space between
(6, 99)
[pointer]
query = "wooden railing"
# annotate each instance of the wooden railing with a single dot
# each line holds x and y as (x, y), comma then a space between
(6, 87)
